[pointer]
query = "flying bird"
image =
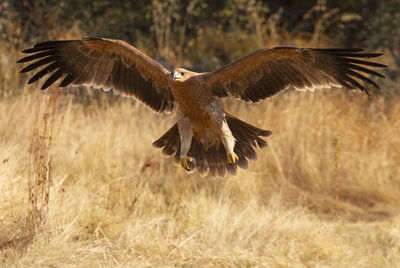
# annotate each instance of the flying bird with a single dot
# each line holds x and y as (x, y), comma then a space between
(206, 137)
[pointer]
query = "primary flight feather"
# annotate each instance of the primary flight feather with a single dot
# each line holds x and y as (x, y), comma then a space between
(205, 137)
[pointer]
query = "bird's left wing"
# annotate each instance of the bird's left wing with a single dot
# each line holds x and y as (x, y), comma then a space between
(267, 72)
(102, 63)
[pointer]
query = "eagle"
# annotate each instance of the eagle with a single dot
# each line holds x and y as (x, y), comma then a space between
(205, 137)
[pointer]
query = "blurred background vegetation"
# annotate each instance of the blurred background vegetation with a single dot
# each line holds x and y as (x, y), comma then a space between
(133, 202)
(206, 33)
(201, 35)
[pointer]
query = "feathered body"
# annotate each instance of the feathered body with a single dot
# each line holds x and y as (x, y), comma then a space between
(204, 111)
(205, 136)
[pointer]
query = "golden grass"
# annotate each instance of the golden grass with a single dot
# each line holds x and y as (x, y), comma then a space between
(115, 201)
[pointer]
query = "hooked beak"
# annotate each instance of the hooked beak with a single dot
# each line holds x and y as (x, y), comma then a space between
(176, 76)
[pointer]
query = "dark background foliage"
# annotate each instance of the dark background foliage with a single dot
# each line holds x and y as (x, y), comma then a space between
(170, 28)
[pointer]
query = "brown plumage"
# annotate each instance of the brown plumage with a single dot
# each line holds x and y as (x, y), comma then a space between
(103, 63)
(214, 159)
(205, 137)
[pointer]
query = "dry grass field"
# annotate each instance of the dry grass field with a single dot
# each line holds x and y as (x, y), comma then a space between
(82, 186)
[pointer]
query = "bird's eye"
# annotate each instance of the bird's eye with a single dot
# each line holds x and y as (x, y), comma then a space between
(182, 74)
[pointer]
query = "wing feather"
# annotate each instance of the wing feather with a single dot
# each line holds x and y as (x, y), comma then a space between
(38, 64)
(267, 72)
(54, 77)
(68, 79)
(102, 63)
(49, 68)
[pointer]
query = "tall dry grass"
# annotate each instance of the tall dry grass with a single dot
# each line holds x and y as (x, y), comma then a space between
(82, 186)
(325, 193)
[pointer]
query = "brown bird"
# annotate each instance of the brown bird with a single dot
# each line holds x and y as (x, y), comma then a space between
(205, 137)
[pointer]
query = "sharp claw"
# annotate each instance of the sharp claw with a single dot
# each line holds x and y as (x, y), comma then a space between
(232, 157)
(186, 161)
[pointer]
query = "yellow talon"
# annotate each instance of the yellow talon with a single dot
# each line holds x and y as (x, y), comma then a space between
(185, 161)
(232, 157)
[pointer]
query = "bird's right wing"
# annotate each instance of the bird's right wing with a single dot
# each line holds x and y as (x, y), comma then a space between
(103, 63)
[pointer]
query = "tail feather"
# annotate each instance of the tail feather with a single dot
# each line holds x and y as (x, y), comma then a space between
(177, 156)
(262, 143)
(171, 147)
(247, 150)
(197, 152)
(222, 163)
(232, 168)
(214, 160)
(242, 162)
(171, 136)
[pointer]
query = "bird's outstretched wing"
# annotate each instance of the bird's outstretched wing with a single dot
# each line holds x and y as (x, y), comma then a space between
(102, 63)
(266, 72)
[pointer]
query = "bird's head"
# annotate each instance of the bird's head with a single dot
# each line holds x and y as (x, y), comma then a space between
(181, 75)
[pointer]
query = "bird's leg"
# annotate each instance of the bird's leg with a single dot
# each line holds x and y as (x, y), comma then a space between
(185, 135)
(229, 142)
(217, 113)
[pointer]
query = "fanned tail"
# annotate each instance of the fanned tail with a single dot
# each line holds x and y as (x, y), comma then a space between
(214, 159)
